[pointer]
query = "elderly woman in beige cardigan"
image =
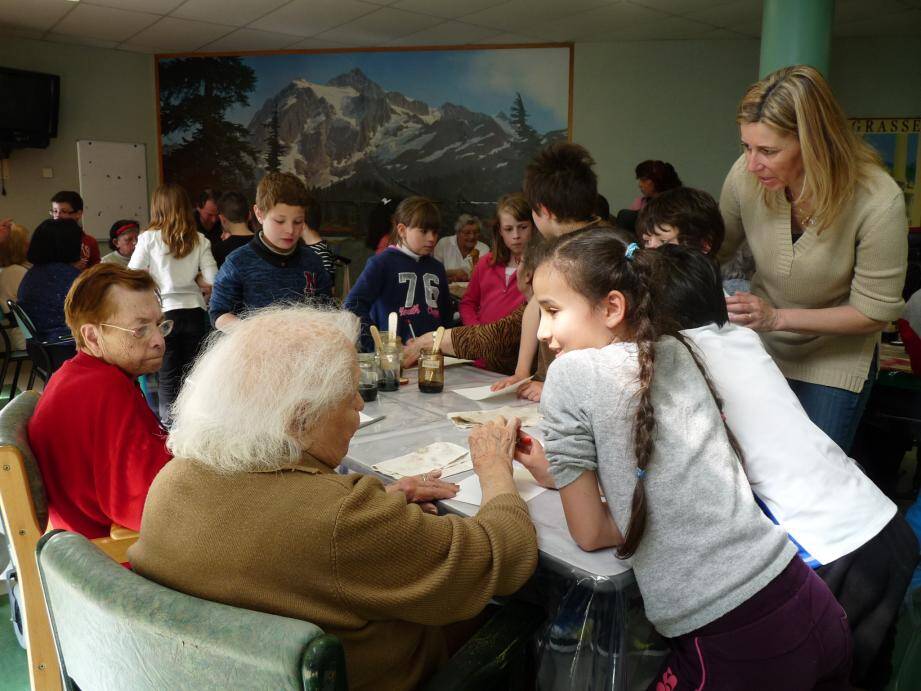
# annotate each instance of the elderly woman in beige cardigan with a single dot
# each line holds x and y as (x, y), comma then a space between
(251, 513)
(827, 227)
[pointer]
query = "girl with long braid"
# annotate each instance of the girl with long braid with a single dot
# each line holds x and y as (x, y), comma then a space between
(628, 408)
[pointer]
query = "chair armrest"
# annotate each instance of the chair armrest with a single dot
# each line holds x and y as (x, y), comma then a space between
(120, 532)
(499, 645)
(116, 545)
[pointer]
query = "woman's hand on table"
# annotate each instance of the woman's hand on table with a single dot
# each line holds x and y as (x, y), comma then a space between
(530, 454)
(425, 489)
(746, 309)
(492, 447)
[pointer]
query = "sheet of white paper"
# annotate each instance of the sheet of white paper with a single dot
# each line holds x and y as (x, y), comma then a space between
(529, 416)
(471, 493)
(482, 393)
(439, 455)
(365, 420)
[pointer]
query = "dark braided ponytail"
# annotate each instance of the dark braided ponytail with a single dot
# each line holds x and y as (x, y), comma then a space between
(595, 262)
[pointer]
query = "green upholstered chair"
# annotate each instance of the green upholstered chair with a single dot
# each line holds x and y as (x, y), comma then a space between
(117, 630)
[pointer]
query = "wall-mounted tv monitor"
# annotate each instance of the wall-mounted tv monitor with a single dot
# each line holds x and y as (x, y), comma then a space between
(28, 108)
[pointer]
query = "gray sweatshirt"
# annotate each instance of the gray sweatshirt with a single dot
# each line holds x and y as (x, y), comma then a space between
(707, 547)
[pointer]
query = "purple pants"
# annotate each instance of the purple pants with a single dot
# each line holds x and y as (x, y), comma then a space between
(792, 635)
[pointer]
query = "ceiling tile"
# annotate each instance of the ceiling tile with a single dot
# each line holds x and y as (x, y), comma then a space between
(36, 14)
(251, 39)
(178, 35)
(106, 23)
(137, 49)
(906, 23)
(20, 32)
(509, 39)
(234, 12)
(80, 40)
(737, 13)
(750, 29)
(620, 19)
(311, 17)
(668, 29)
(381, 26)
(314, 44)
(151, 6)
(447, 8)
(853, 10)
(518, 15)
(446, 34)
(682, 6)
(721, 34)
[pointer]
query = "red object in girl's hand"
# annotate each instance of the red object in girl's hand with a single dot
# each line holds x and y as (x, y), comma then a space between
(525, 443)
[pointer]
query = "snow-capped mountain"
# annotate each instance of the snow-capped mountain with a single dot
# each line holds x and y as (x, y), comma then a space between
(350, 130)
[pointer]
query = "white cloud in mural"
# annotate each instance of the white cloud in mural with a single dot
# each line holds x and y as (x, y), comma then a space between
(541, 75)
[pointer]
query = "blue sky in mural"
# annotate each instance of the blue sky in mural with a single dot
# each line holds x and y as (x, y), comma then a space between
(480, 80)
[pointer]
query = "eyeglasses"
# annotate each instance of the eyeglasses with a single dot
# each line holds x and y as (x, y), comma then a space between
(60, 213)
(165, 328)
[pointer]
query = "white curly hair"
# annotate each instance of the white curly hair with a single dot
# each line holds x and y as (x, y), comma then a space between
(255, 394)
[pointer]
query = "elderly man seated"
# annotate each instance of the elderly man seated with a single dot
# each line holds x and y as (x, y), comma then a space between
(251, 513)
(97, 442)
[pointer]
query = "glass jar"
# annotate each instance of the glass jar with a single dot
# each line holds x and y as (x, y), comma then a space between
(431, 371)
(369, 375)
(391, 360)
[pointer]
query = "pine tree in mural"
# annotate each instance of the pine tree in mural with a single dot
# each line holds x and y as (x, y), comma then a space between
(206, 150)
(273, 149)
(518, 117)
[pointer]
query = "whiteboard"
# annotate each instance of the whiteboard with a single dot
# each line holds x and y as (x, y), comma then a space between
(113, 184)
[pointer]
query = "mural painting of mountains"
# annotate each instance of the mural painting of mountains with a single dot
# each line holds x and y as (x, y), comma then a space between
(349, 133)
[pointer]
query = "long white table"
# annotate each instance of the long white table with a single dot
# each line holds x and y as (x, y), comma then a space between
(597, 636)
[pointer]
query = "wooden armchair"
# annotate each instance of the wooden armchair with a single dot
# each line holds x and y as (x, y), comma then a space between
(25, 516)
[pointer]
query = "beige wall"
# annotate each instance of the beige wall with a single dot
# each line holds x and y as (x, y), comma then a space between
(667, 100)
(676, 101)
(105, 94)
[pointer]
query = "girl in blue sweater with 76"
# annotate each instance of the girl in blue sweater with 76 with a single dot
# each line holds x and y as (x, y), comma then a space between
(405, 279)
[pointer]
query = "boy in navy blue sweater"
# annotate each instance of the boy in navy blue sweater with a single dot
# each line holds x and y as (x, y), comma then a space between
(405, 279)
(275, 266)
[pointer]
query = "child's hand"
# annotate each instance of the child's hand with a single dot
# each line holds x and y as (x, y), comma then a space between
(508, 381)
(531, 390)
(530, 454)
(411, 351)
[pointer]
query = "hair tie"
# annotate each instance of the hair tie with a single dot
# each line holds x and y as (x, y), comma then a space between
(631, 249)
(640, 473)
(126, 227)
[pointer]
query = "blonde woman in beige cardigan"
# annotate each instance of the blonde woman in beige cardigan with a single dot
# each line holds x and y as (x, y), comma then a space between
(827, 228)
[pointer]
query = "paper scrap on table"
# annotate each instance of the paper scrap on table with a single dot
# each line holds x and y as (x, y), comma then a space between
(482, 393)
(529, 416)
(364, 420)
(471, 493)
(450, 458)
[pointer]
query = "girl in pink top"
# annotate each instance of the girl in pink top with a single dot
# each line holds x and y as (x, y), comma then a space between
(493, 291)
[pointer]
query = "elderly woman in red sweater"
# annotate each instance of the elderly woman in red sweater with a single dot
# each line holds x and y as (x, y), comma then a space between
(493, 291)
(96, 441)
